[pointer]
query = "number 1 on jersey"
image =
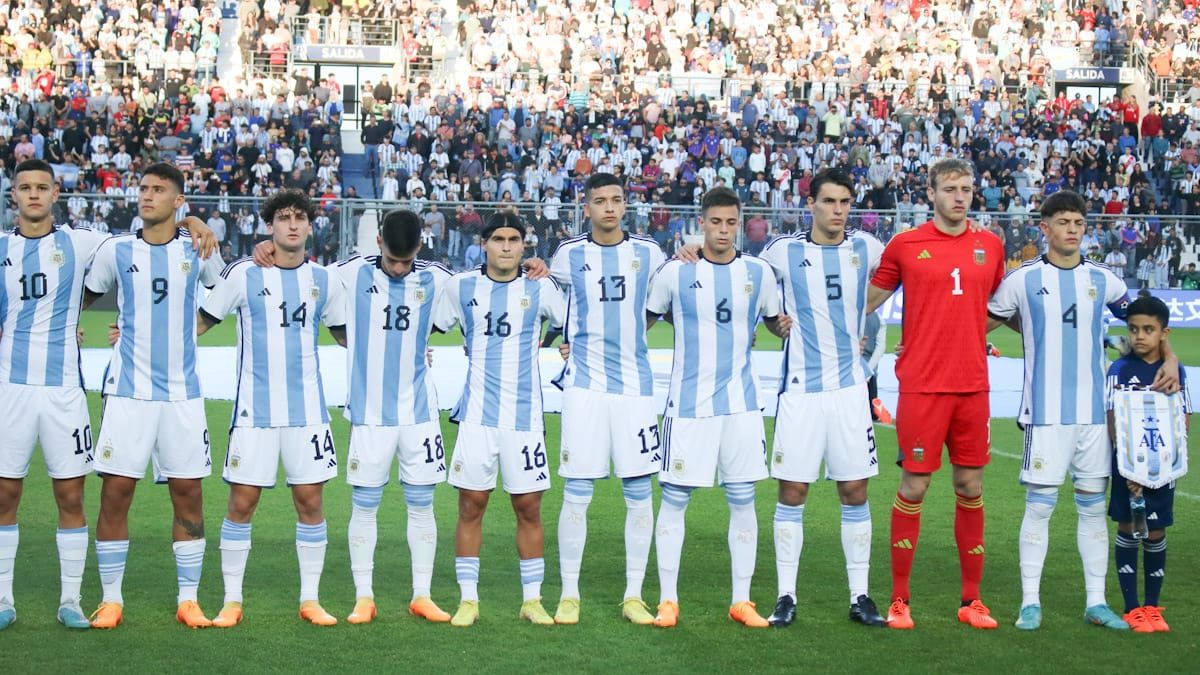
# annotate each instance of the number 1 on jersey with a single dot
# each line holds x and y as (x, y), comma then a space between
(957, 282)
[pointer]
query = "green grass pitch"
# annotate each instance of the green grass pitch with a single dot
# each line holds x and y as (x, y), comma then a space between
(273, 638)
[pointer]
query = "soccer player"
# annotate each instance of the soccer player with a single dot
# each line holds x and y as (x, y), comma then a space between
(1060, 299)
(41, 387)
(713, 423)
(824, 412)
(1148, 320)
(153, 406)
(280, 411)
(949, 270)
(608, 389)
(500, 311)
(393, 407)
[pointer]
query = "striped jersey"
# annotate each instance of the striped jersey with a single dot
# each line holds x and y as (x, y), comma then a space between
(1132, 373)
(157, 297)
(279, 315)
(388, 321)
(1062, 327)
(825, 293)
(715, 310)
(501, 324)
(42, 282)
(606, 313)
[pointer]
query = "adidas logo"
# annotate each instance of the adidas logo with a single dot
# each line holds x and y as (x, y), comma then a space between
(1126, 569)
(1043, 291)
(472, 303)
(1156, 573)
(586, 268)
(264, 292)
(372, 290)
(332, 462)
(806, 263)
(132, 269)
(245, 413)
(542, 476)
(795, 380)
(924, 254)
(874, 461)
(978, 550)
(904, 544)
(6, 263)
(441, 468)
(1153, 515)
(696, 284)
(1134, 380)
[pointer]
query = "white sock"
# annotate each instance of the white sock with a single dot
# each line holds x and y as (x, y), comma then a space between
(10, 536)
(639, 531)
(422, 536)
(1035, 540)
(856, 546)
(743, 537)
(189, 562)
(1092, 538)
(789, 542)
(72, 552)
(466, 570)
(311, 541)
(362, 533)
(235, 551)
(670, 533)
(572, 533)
(110, 558)
(533, 571)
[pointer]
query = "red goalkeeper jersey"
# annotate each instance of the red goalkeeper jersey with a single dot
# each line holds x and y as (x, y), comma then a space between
(947, 281)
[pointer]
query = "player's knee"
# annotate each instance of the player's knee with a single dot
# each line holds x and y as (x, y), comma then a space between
(1090, 503)
(242, 506)
(791, 493)
(1156, 536)
(471, 506)
(528, 508)
(966, 483)
(1040, 501)
(676, 496)
(116, 492)
(10, 497)
(853, 493)
(636, 490)
(1091, 485)
(417, 496)
(739, 495)
(189, 492)
(578, 491)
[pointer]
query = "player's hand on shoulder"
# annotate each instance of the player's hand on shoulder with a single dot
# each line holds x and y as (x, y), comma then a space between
(203, 239)
(689, 253)
(264, 254)
(536, 268)
(1166, 380)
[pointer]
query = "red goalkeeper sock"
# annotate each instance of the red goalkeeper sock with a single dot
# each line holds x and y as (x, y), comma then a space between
(906, 526)
(968, 533)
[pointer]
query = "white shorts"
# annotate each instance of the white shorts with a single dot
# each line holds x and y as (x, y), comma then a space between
(419, 447)
(254, 453)
(598, 427)
(174, 434)
(479, 452)
(727, 448)
(56, 416)
(1051, 450)
(834, 426)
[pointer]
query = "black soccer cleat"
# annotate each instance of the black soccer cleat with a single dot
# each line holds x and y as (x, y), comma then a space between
(865, 612)
(785, 612)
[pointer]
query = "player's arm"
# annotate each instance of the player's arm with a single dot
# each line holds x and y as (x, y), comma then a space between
(886, 279)
(203, 239)
(536, 268)
(876, 296)
(339, 334)
(228, 293)
(101, 273)
(204, 321)
(779, 326)
(1167, 379)
(769, 309)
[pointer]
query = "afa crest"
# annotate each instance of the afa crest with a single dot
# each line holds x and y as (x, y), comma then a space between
(235, 461)
(1093, 292)
(58, 258)
(855, 261)
(185, 266)
(419, 294)
(980, 256)
(526, 303)
(636, 264)
(315, 292)
(749, 288)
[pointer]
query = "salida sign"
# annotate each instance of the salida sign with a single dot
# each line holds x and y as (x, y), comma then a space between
(350, 54)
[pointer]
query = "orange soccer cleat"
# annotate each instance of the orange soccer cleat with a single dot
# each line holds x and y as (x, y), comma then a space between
(668, 614)
(312, 612)
(190, 615)
(107, 616)
(427, 609)
(364, 611)
(230, 616)
(880, 411)
(900, 616)
(977, 615)
(745, 614)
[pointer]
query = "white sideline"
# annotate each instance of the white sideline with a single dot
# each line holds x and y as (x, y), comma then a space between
(1010, 455)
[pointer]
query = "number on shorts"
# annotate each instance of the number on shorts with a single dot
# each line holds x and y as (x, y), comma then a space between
(320, 451)
(83, 440)
(871, 440)
(434, 450)
(643, 434)
(536, 459)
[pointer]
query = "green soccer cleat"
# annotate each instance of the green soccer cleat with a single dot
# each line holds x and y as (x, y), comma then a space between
(467, 614)
(568, 612)
(1030, 618)
(8, 613)
(71, 616)
(533, 612)
(1102, 615)
(635, 611)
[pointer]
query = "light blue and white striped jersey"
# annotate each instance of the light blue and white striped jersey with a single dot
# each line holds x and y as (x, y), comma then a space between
(715, 310)
(1062, 327)
(42, 282)
(387, 330)
(502, 326)
(606, 313)
(157, 298)
(825, 293)
(279, 315)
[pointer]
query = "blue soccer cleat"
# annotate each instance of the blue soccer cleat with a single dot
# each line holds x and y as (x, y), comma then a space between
(8, 613)
(1102, 615)
(71, 616)
(1030, 618)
